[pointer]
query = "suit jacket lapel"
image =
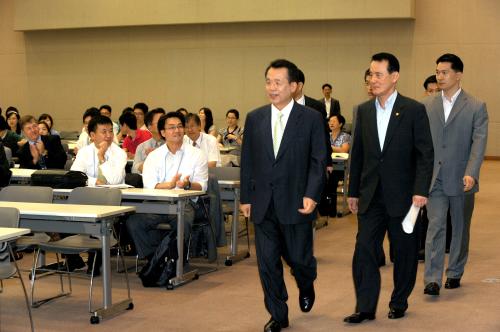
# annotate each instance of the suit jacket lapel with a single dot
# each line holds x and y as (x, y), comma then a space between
(396, 115)
(438, 106)
(457, 107)
(372, 116)
(290, 130)
(267, 134)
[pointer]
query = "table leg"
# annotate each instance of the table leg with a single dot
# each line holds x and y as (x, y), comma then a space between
(235, 232)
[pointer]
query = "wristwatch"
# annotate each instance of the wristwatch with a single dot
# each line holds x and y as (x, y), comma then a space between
(187, 186)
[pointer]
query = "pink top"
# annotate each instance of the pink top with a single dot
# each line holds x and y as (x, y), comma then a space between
(140, 136)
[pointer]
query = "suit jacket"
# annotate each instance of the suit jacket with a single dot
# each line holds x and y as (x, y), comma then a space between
(56, 156)
(316, 105)
(334, 107)
(403, 167)
(5, 172)
(297, 171)
(460, 143)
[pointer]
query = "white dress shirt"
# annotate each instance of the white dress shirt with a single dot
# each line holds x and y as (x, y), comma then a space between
(448, 104)
(208, 144)
(83, 140)
(140, 152)
(161, 166)
(274, 117)
(113, 169)
(328, 105)
(383, 117)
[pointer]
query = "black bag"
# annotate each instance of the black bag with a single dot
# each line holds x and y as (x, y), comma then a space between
(161, 267)
(59, 179)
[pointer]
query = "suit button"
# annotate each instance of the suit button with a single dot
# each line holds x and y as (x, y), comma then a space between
(439, 163)
(382, 160)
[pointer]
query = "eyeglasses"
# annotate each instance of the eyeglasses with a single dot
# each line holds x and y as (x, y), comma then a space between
(179, 126)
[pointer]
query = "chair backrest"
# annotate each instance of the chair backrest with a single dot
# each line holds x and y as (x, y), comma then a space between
(8, 153)
(95, 196)
(10, 218)
(26, 194)
(225, 173)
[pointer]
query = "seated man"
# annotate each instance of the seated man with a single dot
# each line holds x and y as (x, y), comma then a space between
(128, 123)
(175, 164)
(105, 110)
(151, 144)
(103, 161)
(207, 143)
(41, 152)
(84, 138)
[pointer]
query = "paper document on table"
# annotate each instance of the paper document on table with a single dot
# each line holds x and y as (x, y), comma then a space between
(118, 186)
(410, 219)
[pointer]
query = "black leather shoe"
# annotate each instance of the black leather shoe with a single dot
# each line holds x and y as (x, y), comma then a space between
(452, 283)
(275, 326)
(358, 317)
(396, 313)
(306, 299)
(432, 288)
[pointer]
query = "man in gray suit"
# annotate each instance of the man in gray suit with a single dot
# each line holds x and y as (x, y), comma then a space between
(459, 127)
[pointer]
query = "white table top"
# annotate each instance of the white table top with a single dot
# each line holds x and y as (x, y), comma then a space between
(73, 212)
(149, 194)
(9, 233)
(229, 183)
(22, 172)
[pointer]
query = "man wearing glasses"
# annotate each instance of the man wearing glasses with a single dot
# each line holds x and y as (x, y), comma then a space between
(174, 165)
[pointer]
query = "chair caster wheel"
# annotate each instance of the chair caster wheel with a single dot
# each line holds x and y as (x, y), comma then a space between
(247, 255)
(170, 286)
(196, 276)
(130, 306)
(228, 262)
(94, 320)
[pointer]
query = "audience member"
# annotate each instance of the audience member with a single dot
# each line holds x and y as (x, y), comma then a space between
(431, 86)
(175, 164)
(183, 111)
(106, 110)
(5, 172)
(140, 111)
(232, 135)
(41, 152)
(9, 138)
(43, 128)
(207, 121)
(207, 143)
(134, 136)
(151, 144)
(84, 138)
(12, 116)
(102, 160)
(47, 118)
(332, 105)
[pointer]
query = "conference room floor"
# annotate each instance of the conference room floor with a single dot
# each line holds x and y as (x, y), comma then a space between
(231, 299)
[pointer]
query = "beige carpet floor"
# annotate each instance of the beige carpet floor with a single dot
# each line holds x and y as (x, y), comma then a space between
(231, 299)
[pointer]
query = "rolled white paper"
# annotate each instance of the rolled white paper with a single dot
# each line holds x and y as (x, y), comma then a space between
(410, 219)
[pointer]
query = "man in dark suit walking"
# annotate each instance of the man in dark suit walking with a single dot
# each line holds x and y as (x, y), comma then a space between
(391, 169)
(332, 105)
(282, 176)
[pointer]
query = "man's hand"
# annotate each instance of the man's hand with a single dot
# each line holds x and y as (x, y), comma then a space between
(308, 204)
(329, 169)
(353, 204)
(469, 182)
(182, 183)
(419, 201)
(101, 151)
(34, 153)
(246, 208)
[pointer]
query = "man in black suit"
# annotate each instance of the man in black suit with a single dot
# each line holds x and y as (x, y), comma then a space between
(302, 99)
(391, 169)
(332, 105)
(283, 162)
(40, 152)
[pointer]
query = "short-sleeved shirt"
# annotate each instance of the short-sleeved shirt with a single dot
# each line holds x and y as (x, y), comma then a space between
(238, 131)
(132, 144)
(208, 144)
(341, 139)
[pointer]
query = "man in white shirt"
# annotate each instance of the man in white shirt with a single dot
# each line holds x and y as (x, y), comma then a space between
(207, 143)
(154, 142)
(103, 161)
(84, 138)
(174, 165)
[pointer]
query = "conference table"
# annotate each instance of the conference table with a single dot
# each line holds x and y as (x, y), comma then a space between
(341, 163)
(93, 220)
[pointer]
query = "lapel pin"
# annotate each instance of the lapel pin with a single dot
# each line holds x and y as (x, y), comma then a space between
(397, 114)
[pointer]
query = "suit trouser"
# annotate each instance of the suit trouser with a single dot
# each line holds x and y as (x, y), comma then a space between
(372, 226)
(273, 241)
(436, 234)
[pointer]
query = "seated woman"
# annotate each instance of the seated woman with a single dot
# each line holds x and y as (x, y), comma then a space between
(43, 128)
(232, 135)
(8, 137)
(12, 116)
(207, 121)
(47, 118)
(340, 142)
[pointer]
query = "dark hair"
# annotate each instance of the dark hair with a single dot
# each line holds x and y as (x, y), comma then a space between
(129, 119)
(367, 74)
(3, 124)
(235, 112)
(0, 111)
(27, 119)
(193, 117)
(290, 66)
(182, 109)
(11, 109)
(164, 118)
(98, 120)
(16, 113)
(209, 118)
(429, 80)
(456, 63)
(393, 63)
(141, 106)
(107, 107)
(128, 109)
(46, 116)
(93, 111)
(41, 122)
(151, 114)
(300, 76)
(326, 85)
(340, 118)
